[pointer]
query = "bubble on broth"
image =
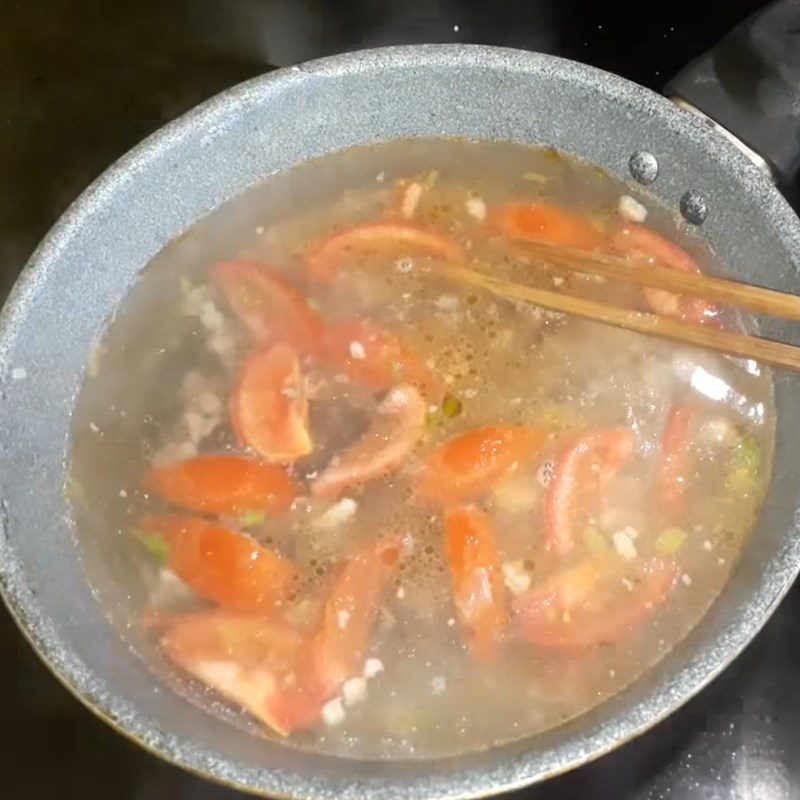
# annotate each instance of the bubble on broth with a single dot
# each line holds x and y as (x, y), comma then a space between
(157, 391)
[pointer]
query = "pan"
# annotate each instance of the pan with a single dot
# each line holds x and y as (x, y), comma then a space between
(716, 166)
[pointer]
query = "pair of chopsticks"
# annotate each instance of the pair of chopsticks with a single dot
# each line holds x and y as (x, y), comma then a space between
(718, 290)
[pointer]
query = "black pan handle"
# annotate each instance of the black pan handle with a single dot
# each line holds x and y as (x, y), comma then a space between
(749, 84)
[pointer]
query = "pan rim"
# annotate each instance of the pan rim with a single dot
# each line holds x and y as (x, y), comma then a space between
(23, 606)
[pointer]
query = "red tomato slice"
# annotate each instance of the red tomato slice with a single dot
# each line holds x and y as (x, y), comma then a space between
(269, 305)
(480, 594)
(222, 565)
(471, 463)
(541, 615)
(398, 426)
(223, 484)
(546, 222)
(606, 450)
(675, 459)
(247, 659)
(338, 650)
(381, 359)
(639, 242)
(269, 407)
(379, 239)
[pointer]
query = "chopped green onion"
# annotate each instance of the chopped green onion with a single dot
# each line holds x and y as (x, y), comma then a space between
(745, 465)
(552, 154)
(252, 516)
(558, 416)
(451, 406)
(73, 490)
(594, 541)
(536, 177)
(670, 541)
(93, 367)
(155, 544)
(433, 419)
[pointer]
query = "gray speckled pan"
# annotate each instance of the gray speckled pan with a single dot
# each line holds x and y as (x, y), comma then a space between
(85, 266)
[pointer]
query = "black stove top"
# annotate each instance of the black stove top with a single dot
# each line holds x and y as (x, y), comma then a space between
(80, 83)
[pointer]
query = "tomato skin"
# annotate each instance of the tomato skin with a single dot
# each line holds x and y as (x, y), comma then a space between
(338, 650)
(222, 484)
(609, 448)
(638, 241)
(250, 660)
(398, 425)
(675, 460)
(222, 565)
(478, 587)
(396, 238)
(471, 463)
(546, 222)
(541, 619)
(269, 305)
(269, 406)
(386, 360)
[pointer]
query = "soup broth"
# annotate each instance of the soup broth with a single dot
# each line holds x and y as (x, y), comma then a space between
(331, 494)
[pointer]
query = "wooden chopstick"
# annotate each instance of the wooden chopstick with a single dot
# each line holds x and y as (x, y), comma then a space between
(777, 354)
(721, 290)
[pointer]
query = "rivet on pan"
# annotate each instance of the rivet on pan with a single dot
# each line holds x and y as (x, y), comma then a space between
(643, 166)
(694, 207)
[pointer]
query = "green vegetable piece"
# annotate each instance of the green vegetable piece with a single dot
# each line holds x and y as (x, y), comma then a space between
(73, 489)
(558, 416)
(670, 541)
(552, 155)
(155, 544)
(252, 516)
(434, 419)
(745, 465)
(451, 406)
(594, 541)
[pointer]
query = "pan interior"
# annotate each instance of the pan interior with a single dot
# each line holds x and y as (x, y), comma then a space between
(175, 332)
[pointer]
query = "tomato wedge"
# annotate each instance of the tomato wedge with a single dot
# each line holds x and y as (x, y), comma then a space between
(639, 242)
(338, 650)
(391, 240)
(565, 614)
(471, 463)
(222, 565)
(675, 459)
(269, 407)
(223, 484)
(588, 463)
(563, 593)
(546, 222)
(249, 660)
(397, 427)
(268, 304)
(478, 587)
(375, 358)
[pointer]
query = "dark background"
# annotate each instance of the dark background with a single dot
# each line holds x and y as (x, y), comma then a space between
(81, 82)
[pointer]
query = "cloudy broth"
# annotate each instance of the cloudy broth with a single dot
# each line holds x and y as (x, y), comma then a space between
(324, 489)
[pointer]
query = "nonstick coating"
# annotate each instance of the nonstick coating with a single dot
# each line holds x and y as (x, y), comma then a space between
(83, 269)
